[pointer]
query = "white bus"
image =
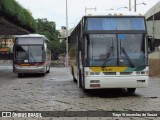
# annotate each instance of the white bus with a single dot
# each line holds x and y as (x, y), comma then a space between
(31, 54)
(110, 51)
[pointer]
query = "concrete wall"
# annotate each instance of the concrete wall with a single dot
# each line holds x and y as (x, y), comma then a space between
(154, 25)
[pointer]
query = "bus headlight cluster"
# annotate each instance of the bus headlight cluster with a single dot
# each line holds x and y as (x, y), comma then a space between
(92, 73)
(141, 72)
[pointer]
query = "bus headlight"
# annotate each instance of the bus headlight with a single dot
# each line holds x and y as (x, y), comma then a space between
(92, 73)
(141, 72)
(138, 72)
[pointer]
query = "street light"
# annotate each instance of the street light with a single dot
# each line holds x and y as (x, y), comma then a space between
(129, 5)
(109, 9)
(138, 4)
(66, 34)
(122, 7)
(90, 9)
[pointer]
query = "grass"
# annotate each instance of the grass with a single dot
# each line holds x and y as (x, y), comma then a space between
(16, 14)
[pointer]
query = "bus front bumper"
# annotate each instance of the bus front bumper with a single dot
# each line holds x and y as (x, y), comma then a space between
(29, 69)
(116, 82)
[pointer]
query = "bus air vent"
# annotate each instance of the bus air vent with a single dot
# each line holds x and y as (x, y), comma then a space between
(109, 73)
(126, 73)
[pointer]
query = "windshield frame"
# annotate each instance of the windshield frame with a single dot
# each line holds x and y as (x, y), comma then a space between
(101, 19)
(29, 54)
(118, 54)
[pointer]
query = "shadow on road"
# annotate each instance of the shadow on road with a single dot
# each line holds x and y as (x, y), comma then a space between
(109, 93)
(30, 75)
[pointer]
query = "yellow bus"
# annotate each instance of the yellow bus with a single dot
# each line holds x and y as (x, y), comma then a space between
(110, 51)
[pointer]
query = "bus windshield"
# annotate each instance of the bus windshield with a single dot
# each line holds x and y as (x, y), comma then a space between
(29, 54)
(115, 23)
(112, 50)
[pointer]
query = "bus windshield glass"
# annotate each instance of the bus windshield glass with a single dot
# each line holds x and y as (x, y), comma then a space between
(112, 50)
(115, 23)
(29, 40)
(29, 54)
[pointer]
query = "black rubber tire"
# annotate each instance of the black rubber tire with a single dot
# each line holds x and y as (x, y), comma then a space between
(74, 80)
(48, 71)
(131, 90)
(43, 74)
(80, 79)
(20, 75)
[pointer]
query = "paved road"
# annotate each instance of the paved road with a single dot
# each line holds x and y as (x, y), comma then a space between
(57, 92)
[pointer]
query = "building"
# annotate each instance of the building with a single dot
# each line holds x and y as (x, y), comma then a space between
(62, 32)
(153, 23)
(7, 42)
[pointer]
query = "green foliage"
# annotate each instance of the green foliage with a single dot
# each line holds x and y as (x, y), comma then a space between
(1, 45)
(57, 49)
(15, 13)
(48, 29)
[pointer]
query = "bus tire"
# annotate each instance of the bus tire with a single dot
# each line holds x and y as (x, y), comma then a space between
(43, 74)
(74, 79)
(48, 71)
(131, 90)
(80, 79)
(20, 75)
(86, 90)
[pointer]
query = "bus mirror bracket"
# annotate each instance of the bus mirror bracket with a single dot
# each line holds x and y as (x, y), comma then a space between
(82, 44)
(150, 41)
(45, 47)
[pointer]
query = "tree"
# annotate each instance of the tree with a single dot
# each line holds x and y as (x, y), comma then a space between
(48, 29)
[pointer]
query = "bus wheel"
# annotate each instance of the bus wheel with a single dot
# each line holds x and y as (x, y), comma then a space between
(131, 90)
(19, 75)
(80, 79)
(48, 71)
(43, 74)
(74, 79)
(86, 90)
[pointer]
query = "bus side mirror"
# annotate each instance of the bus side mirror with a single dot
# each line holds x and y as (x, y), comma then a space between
(69, 40)
(44, 47)
(82, 44)
(151, 46)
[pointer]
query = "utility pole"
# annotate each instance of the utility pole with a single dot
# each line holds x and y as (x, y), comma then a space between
(135, 5)
(66, 34)
(129, 5)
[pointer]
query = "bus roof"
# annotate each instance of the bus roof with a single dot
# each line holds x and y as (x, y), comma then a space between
(31, 35)
(113, 13)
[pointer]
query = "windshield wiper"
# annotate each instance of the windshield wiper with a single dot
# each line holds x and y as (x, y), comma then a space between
(128, 58)
(107, 56)
(30, 54)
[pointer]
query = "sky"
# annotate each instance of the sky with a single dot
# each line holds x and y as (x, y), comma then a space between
(55, 10)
